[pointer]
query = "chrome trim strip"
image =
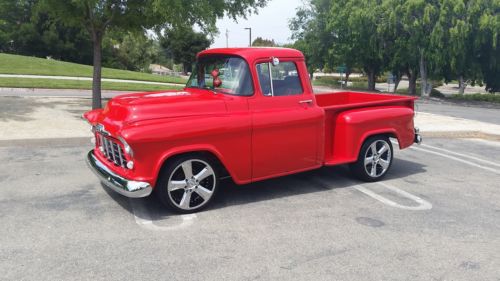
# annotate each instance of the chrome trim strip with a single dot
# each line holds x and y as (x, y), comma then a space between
(306, 101)
(126, 187)
(271, 80)
(121, 157)
(108, 155)
(113, 144)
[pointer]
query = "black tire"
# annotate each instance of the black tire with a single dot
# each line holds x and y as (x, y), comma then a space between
(376, 166)
(173, 194)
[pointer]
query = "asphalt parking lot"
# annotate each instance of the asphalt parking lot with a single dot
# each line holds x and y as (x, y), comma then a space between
(435, 217)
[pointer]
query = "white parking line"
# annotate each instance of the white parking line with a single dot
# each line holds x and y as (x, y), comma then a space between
(143, 218)
(463, 155)
(422, 204)
(457, 159)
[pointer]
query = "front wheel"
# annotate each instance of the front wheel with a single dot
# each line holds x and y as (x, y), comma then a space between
(374, 160)
(188, 183)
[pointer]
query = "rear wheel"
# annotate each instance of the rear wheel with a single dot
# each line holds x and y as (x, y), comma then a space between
(188, 184)
(374, 160)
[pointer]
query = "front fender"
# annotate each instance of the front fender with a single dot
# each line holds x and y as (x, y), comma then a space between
(226, 136)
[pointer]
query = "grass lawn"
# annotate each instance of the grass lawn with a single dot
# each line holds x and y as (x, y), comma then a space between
(332, 83)
(75, 84)
(14, 64)
(495, 98)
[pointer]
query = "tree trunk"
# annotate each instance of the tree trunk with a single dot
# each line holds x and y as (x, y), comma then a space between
(425, 88)
(397, 79)
(461, 85)
(96, 77)
(412, 82)
(347, 73)
(371, 80)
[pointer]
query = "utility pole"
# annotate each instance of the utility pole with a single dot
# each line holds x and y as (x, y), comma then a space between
(250, 36)
(227, 38)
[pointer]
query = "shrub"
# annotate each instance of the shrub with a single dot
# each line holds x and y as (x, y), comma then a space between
(437, 94)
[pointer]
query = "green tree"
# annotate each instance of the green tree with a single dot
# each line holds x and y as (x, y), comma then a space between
(465, 42)
(26, 30)
(309, 30)
(488, 43)
(357, 40)
(399, 54)
(455, 36)
(261, 42)
(98, 16)
(182, 44)
(418, 19)
(129, 50)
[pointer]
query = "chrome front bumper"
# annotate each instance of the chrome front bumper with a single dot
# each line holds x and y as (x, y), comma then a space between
(129, 188)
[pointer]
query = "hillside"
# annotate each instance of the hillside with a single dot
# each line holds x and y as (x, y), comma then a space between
(15, 64)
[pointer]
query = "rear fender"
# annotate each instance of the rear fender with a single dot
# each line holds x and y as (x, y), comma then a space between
(353, 127)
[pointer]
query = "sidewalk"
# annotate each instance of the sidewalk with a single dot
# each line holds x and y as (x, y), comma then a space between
(60, 117)
(435, 125)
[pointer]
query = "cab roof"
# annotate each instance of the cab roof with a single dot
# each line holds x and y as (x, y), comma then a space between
(254, 52)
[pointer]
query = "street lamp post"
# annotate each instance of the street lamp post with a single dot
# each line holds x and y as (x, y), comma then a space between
(227, 38)
(249, 36)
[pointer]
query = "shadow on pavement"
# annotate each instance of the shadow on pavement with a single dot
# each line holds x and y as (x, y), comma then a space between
(17, 108)
(231, 194)
(22, 108)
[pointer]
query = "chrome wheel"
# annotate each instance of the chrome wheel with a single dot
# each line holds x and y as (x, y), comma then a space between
(377, 158)
(191, 184)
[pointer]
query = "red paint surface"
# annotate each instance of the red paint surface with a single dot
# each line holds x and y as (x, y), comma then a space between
(254, 137)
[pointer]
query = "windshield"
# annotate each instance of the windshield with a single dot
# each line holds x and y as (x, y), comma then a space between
(233, 73)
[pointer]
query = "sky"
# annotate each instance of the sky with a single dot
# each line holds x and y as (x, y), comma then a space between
(271, 22)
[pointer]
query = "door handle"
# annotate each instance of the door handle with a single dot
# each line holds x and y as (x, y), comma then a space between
(306, 101)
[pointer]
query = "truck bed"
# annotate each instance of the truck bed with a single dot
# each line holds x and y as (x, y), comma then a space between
(344, 100)
(348, 115)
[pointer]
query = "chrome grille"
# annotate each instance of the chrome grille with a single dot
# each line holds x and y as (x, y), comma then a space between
(112, 150)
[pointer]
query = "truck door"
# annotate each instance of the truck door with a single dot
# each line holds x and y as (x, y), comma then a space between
(286, 123)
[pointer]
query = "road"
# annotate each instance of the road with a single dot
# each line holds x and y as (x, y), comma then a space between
(488, 113)
(435, 217)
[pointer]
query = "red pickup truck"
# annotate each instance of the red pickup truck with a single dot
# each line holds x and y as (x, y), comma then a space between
(245, 113)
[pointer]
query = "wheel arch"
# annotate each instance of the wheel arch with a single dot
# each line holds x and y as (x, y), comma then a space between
(388, 132)
(207, 151)
(359, 168)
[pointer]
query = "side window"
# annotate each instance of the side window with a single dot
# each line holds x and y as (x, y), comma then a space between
(279, 80)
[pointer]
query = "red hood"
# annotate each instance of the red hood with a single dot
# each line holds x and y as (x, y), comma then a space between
(127, 109)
